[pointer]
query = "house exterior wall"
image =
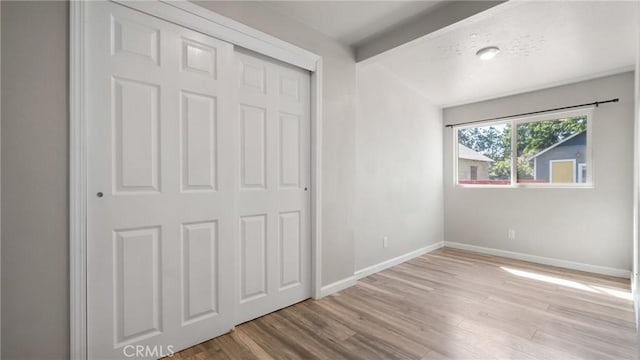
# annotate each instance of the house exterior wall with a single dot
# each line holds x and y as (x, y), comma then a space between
(559, 153)
(574, 149)
(464, 169)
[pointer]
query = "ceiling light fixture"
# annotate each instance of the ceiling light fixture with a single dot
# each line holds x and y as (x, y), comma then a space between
(488, 53)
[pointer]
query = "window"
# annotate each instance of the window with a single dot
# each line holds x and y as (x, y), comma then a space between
(547, 150)
(488, 149)
(582, 173)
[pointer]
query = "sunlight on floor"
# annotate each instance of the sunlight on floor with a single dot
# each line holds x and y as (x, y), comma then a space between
(570, 283)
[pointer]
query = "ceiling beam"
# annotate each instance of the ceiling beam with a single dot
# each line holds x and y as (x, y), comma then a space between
(432, 21)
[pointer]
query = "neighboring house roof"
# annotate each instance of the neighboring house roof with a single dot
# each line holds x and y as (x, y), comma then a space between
(555, 145)
(466, 153)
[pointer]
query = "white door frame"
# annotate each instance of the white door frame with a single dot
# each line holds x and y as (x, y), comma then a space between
(210, 23)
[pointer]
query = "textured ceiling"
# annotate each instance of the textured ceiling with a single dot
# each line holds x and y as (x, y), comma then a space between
(543, 44)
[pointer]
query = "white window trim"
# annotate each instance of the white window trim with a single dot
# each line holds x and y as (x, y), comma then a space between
(580, 166)
(210, 23)
(514, 121)
(573, 171)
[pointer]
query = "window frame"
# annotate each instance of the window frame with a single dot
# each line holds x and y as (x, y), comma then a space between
(580, 177)
(588, 112)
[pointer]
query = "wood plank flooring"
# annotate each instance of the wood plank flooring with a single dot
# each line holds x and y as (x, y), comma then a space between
(448, 304)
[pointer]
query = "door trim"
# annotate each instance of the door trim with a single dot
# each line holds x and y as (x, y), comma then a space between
(77, 185)
(195, 17)
(210, 23)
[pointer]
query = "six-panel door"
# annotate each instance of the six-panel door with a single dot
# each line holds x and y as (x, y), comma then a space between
(198, 161)
(160, 152)
(273, 201)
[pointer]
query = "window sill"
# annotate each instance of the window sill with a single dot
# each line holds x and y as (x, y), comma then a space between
(525, 186)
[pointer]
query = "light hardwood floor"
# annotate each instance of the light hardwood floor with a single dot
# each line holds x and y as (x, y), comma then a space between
(450, 304)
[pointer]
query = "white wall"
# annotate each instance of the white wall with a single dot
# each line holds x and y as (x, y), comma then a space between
(398, 168)
(590, 226)
(338, 149)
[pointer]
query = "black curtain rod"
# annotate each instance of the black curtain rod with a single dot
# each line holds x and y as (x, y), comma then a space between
(597, 103)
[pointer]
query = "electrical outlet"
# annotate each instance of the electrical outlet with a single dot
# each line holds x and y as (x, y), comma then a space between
(511, 234)
(385, 241)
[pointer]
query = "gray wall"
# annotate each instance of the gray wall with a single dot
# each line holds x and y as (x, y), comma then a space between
(398, 168)
(34, 150)
(35, 302)
(0, 185)
(35, 287)
(555, 223)
(636, 212)
(338, 149)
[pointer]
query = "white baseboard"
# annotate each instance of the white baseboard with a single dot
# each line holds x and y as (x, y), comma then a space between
(337, 286)
(396, 260)
(603, 270)
(351, 280)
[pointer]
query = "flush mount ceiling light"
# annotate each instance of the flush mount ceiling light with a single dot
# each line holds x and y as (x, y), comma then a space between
(488, 53)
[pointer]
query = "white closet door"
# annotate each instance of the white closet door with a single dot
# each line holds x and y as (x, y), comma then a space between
(161, 222)
(272, 181)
